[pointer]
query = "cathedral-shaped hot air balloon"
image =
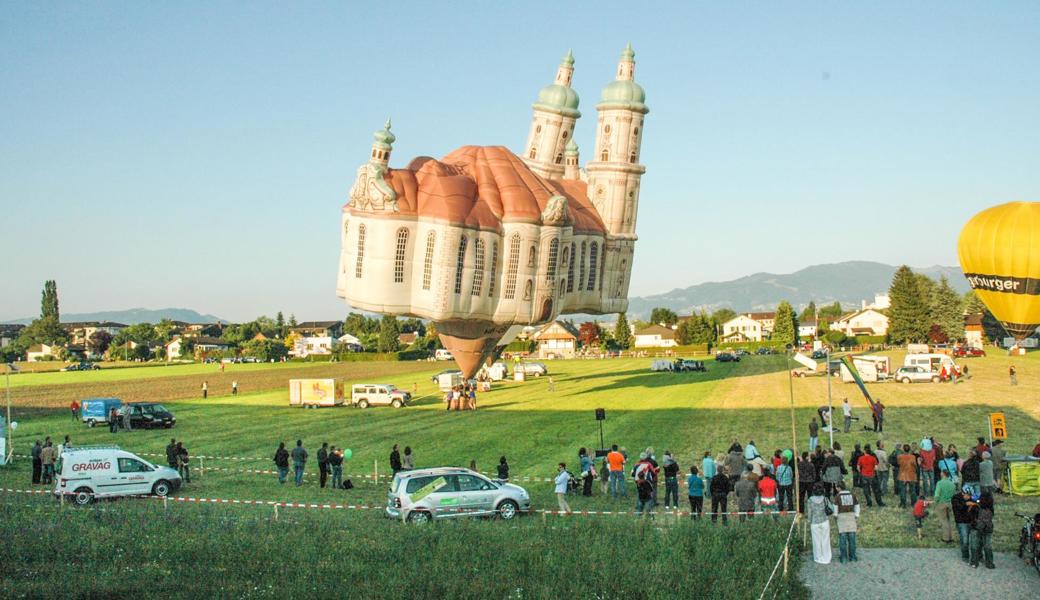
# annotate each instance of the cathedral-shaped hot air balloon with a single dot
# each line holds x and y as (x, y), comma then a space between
(999, 250)
(484, 241)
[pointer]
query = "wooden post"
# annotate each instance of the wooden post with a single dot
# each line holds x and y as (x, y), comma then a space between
(787, 554)
(202, 465)
(275, 512)
(165, 507)
(375, 471)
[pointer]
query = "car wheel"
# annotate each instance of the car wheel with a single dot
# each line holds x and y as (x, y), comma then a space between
(905, 380)
(935, 379)
(161, 488)
(91, 423)
(83, 496)
(419, 517)
(507, 509)
(362, 404)
(396, 404)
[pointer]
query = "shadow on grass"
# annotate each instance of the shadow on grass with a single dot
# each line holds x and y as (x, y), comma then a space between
(716, 371)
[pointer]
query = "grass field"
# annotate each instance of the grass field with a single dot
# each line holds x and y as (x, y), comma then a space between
(687, 413)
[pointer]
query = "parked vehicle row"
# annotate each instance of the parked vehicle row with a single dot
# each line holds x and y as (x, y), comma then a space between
(143, 415)
(82, 366)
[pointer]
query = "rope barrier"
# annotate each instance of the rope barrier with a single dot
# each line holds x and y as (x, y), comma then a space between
(783, 555)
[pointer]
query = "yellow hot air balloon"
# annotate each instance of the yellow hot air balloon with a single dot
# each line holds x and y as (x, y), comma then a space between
(999, 250)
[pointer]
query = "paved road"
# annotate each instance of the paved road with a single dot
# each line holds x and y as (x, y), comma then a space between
(907, 573)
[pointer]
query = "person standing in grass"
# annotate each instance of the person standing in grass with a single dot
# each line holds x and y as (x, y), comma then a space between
(587, 475)
(37, 463)
(1013, 374)
(944, 491)
(47, 457)
(857, 481)
(948, 465)
(645, 476)
(846, 515)
(671, 481)
(552, 384)
(299, 456)
(767, 488)
(833, 471)
(747, 493)
(814, 431)
(734, 464)
(750, 451)
(408, 463)
(818, 511)
(963, 507)
(171, 453)
(785, 483)
(982, 532)
(74, 407)
(971, 471)
(281, 462)
(998, 453)
(503, 469)
(719, 489)
(695, 492)
(182, 462)
(323, 464)
(906, 478)
(882, 468)
(335, 461)
(562, 478)
(113, 420)
(708, 466)
(127, 423)
(986, 480)
(846, 411)
(616, 463)
(205, 388)
(395, 460)
(868, 464)
(928, 459)
(234, 388)
(806, 479)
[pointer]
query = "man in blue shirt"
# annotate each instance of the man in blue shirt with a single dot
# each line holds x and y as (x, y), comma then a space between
(696, 492)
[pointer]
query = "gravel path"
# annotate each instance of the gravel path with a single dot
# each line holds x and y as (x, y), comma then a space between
(908, 573)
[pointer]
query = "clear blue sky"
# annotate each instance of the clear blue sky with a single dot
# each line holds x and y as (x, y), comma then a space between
(198, 154)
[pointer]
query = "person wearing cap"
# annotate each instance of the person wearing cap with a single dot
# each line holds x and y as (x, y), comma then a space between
(962, 506)
(986, 480)
(944, 492)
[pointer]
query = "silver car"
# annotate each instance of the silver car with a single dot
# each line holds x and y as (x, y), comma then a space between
(915, 375)
(452, 492)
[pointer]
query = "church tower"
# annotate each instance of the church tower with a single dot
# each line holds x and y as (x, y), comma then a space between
(613, 177)
(614, 171)
(552, 124)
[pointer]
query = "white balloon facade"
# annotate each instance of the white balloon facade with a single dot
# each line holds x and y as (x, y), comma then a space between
(483, 240)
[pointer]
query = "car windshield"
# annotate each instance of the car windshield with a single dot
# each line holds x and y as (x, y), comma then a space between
(159, 408)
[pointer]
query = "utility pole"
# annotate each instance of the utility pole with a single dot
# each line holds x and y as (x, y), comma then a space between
(830, 401)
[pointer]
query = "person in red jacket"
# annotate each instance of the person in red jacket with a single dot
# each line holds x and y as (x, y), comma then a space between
(74, 407)
(767, 492)
(867, 464)
(1036, 450)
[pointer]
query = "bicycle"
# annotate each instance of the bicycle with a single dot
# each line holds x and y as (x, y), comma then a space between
(1029, 540)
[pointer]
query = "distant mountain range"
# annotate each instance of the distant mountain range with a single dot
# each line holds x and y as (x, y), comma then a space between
(132, 316)
(847, 282)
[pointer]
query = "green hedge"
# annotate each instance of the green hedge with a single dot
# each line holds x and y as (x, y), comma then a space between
(865, 340)
(521, 346)
(676, 350)
(752, 346)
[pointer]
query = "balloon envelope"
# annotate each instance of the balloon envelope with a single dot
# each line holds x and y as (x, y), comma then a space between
(347, 453)
(999, 251)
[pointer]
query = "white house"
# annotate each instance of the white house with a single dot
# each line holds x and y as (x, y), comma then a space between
(556, 340)
(973, 330)
(306, 346)
(655, 336)
(749, 327)
(173, 348)
(862, 322)
(39, 352)
(881, 302)
(807, 329)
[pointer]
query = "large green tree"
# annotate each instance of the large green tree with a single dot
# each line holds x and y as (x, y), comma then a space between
(785, 325)
(722, 315)
(831, 312)
(99, 341)
(45, 330)
(698, 329)
(357, 324)
(664, 316)
(909, 318)
(389, 331)
(49, 301)
(622, 335)
(809, 314)
(947, 310)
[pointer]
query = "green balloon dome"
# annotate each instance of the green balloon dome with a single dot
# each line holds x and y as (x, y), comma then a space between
(624, 91)
(558, 97)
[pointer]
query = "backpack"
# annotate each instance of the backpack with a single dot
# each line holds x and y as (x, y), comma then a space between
(644, 473)
(984, 521)
(348, 484)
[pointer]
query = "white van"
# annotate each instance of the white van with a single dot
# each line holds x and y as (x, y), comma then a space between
(933, 363)
(442, 354)
(496, 372)
(364, 395)
(88, 472)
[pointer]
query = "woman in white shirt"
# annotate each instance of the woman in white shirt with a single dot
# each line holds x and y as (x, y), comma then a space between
(561, 488)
